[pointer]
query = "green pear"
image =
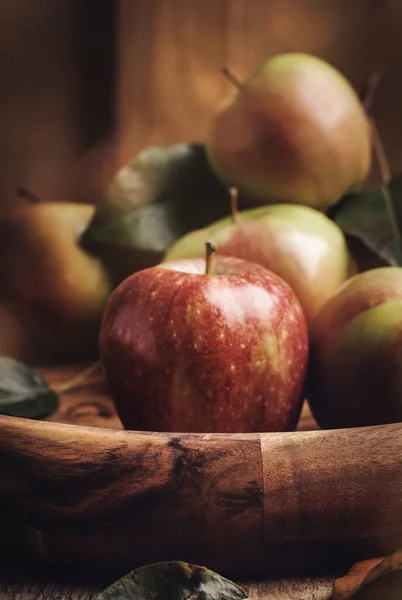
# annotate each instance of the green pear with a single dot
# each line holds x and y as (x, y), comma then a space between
(55, 288)
(355, 376)
(300, 244)
(295, 131)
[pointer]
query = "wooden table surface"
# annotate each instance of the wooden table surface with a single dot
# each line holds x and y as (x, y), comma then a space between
(25, 584)
(88, 402)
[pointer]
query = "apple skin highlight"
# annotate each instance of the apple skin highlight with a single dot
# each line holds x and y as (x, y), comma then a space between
(298, 243)
(224, 352)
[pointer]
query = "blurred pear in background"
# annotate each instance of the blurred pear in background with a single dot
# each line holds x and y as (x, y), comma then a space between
(54, 286)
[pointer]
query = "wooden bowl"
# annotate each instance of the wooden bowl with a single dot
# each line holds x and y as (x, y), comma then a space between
(246, 505)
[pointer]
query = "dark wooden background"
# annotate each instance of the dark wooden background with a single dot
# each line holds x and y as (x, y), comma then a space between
(84, 85)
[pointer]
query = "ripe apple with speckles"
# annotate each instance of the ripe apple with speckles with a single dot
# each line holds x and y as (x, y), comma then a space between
(214, 344)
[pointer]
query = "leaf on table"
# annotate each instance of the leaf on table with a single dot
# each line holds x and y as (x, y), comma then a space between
(345, 587)
(364, 215)
(23, 393)
(374, 579)
(161, 194)
(172, 581)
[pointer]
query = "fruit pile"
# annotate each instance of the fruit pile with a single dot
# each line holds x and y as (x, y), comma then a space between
(293, 291)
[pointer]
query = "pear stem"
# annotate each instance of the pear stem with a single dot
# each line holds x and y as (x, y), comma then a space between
(369, 89)
(210, 249)
(230, 76)
(78, 379)
(27, 195)
(367, 95)
(234, 195)
(380, 154)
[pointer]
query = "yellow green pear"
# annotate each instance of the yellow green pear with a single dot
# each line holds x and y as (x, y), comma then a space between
(55, 287)
(298, 243)
(295, 131)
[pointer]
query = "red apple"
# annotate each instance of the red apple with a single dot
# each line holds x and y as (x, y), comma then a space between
(187, 348)
(356, 359)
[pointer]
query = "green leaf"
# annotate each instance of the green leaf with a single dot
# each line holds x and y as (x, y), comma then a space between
(366, 215)
(173, 581)
(395, 188)
(163, 193)
(23, 393)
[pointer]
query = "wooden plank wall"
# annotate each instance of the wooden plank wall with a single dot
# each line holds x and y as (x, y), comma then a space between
(171, 52)
(84, 85)
(56, 94)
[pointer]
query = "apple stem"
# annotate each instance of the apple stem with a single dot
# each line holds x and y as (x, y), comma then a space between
(234, 195)
(210, 249)
(230, 76)
(27, 195)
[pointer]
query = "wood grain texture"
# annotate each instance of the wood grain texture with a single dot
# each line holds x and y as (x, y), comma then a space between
(43, 591)
(57, 98)
(82, 495)
(90, 402)
(299, 470)
(115, 497)
(311, 588)
(24, 584)
(168, 79)
(67, 121)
